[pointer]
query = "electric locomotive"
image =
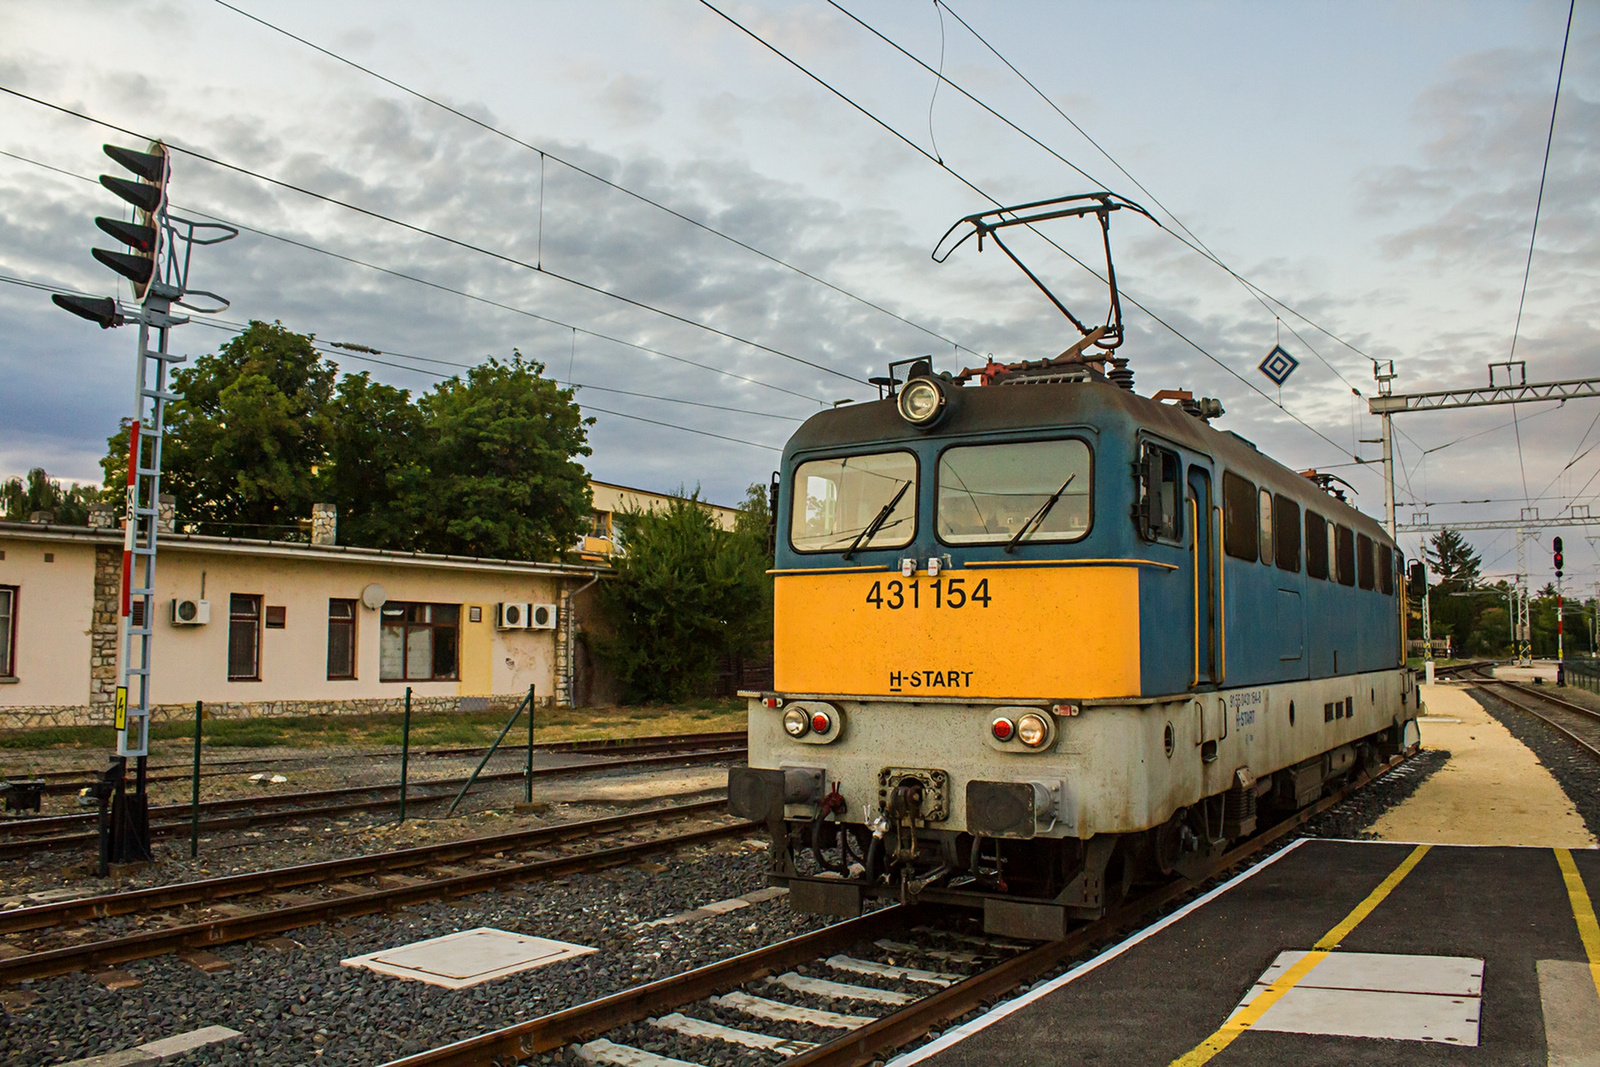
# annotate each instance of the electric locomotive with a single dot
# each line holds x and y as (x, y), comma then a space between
(1037, 636)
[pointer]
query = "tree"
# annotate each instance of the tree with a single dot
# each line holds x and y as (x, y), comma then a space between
(377, 463)
(68, 506)
(478, 466)
(501, 477)
(685, 593)
(1452, 561)
(246, 436)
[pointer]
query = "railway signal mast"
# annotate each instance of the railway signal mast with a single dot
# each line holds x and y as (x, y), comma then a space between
(160, 246)
(1561, 646)
(1519, 391)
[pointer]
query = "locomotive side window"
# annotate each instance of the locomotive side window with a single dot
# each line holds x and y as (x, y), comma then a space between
(1286, 533)
(837, 501)
(1316, 545)
(1345, 550)
(1364, 575)
(1159, 474)
(994, 493)
(1239, 522)
(1386, 570)
(1266, 527)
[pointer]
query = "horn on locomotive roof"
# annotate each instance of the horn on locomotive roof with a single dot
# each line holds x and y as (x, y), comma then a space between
(1100, 205)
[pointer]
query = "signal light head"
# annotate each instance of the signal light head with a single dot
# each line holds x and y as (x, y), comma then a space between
(140, 238)
(141, 195)
(137, 269)
(151, 166)
(102, 311)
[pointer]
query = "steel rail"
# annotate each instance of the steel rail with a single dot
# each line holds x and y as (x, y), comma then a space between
(1588, 747)
(213, 932)
(585, 1021)
(59, 781)
(515, 1043)
(130, 901)
(26, 826)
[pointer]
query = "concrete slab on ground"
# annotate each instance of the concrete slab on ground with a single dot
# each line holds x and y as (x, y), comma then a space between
(1395, 921)
(660, 786)
(1493, 790)
(1544, 669)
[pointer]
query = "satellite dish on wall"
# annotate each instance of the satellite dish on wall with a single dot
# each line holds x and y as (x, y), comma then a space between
(374, 596)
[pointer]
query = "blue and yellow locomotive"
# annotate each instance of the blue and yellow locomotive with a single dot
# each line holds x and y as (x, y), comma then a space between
(1037, 636)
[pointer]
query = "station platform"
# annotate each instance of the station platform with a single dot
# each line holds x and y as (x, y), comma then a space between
(1332, 952)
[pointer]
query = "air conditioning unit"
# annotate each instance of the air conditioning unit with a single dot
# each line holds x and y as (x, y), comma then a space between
(512, 616)
(190, 612)
(542, 617)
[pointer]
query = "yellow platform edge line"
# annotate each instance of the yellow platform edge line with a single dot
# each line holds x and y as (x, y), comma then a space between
(1582, 912)
(1253, 1011)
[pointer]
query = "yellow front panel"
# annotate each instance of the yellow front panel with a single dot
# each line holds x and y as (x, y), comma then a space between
(1046, 632)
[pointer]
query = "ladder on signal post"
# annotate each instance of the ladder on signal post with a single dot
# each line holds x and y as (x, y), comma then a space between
(146, 435)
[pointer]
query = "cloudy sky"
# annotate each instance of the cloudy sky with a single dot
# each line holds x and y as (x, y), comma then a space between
(1374, 167)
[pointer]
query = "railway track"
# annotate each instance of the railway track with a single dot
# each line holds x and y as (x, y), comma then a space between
(1578, 724)
(60, 782)
(441, 877)
(23, 837)
(898, 1004)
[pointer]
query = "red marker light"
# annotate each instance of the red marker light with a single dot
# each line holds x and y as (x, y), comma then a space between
(1003, 729)
(821, 723)
(772, 702)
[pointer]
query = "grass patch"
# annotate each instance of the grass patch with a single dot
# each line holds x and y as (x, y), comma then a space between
(431, 730)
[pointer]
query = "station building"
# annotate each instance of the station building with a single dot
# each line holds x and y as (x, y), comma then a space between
(254, 627)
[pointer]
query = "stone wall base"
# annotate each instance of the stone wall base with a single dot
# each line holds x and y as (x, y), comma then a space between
(38, 717)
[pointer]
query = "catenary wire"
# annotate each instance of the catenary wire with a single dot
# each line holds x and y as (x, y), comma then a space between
(436, 235)
(1194, 246)
(440, 286)
(236, 328)
(545, 153)
(963, 180)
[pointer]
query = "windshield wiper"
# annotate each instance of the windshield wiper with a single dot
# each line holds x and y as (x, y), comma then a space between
(1039, 516)
(877, 520)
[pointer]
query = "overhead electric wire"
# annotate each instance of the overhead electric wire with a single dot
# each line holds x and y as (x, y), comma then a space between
(436, 235)
(1196, 245)
(237, 328)
(963, 180)
(546, 153)
(1527, 270)
(441, 286)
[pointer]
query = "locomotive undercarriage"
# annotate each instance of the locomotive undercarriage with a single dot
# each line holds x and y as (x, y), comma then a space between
(1028, 887)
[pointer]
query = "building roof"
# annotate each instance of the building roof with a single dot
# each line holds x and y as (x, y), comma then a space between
(39, 531)
(656, 493)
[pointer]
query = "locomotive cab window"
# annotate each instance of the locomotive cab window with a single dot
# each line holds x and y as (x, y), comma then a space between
(1025, 490)
(1160, 475)
(1240, 525)
(839, 501)
(1386, 570)
(1316, 545)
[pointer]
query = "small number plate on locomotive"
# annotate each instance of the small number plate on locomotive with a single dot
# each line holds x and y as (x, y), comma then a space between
(935, 790)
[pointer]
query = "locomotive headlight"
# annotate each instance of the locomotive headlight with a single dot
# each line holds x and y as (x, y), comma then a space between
(1032, 730)
(796, 722)
(1003, 729)
(921, 402)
